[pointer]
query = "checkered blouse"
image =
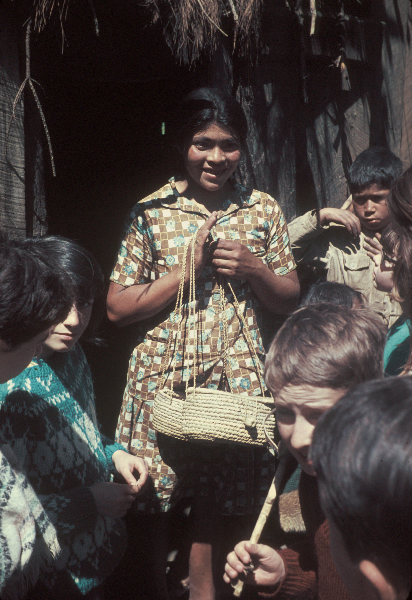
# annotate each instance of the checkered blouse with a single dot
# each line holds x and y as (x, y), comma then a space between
(157, 230)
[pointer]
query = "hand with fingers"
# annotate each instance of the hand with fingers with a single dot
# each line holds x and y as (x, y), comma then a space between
(201, 246)
(268, 566)
(373, 246)
(126, 464)
(233, 259)
(113, 499)
(344, 217)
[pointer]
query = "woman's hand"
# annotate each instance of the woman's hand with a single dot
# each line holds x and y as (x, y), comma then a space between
(201, 247)
(126, 464)
(233, 259)
(268, 565)
(113, 499)
(344, 217)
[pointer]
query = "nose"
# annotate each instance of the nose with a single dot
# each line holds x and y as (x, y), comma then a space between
(369, 206)
(73, 318)
(216, 155)
(301, 438)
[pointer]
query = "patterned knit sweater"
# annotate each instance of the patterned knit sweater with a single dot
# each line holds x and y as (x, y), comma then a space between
(28, 539)
(48, 417)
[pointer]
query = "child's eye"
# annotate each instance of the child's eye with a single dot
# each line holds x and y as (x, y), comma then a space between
(84, 304)
(314, 417)
(284, 414)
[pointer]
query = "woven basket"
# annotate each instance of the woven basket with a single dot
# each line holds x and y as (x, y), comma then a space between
(168, 413)
(215, 416)
(204, 414)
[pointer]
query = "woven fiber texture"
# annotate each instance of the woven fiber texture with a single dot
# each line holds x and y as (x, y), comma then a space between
(216, 416)
(209, 415)
(168, 411)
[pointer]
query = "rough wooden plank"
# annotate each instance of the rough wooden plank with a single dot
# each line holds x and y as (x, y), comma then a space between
(12, 165)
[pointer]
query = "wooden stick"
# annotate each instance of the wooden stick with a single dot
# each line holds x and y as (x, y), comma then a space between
(260, 523)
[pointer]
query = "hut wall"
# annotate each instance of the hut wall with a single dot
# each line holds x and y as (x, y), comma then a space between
(305, 130)
(22, 198)
(12, 188)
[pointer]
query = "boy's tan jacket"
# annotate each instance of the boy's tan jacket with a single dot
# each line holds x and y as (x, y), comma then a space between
(344, 259)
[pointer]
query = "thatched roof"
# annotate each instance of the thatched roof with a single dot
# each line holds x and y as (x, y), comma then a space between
(192, 27)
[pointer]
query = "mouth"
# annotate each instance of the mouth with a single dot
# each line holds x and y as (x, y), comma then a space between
(215, 172)
(66, 336)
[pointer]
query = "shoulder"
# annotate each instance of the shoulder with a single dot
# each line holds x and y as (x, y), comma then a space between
(27, 379)
(154, 200)
(266, 203)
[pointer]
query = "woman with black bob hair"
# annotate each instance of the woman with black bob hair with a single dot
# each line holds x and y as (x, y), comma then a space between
(242, 240)
(80, 272)
(48, 417)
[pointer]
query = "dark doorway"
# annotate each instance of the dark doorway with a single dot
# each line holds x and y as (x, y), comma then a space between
(109, 102)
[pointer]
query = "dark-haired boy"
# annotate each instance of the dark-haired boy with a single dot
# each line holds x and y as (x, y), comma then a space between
(362, 454)
(339, 240)
(319, 352)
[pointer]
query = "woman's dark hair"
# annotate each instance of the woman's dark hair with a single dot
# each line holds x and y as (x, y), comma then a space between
(375, 165)
(79, 270)
(32, 298)
(390, 240)
(205, 106)
(400, 210)
(331, 292)
(362, 455)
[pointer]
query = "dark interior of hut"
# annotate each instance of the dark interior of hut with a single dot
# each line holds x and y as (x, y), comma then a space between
(109, 101)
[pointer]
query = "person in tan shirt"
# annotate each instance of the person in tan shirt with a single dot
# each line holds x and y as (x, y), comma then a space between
(344, 240)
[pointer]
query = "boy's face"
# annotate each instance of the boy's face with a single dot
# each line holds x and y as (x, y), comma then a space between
(298, 408)
(369, 205)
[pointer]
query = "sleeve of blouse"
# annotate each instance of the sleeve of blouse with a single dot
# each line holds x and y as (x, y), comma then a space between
(135, 258)
(110, 447)
(279, 256)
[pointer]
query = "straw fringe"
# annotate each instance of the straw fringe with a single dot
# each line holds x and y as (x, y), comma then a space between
(195, 27)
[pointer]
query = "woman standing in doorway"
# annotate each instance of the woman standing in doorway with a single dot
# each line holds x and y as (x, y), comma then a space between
(250, 248)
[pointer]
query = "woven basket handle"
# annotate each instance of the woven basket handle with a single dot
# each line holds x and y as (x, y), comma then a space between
(177, 311)
(268, 438)
(249, 420)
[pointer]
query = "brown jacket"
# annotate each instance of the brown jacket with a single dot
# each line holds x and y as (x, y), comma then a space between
(344, 258)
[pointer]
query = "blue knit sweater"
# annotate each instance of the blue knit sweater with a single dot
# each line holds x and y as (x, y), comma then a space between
(48, 417)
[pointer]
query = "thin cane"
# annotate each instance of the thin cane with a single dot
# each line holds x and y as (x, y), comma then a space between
(263, 516)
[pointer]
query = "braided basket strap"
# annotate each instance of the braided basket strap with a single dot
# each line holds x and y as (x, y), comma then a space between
(178, 311)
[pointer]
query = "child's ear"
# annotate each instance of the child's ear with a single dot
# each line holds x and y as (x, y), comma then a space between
(384, 588)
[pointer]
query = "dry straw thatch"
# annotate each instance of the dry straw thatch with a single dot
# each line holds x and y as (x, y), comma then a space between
(194, 27)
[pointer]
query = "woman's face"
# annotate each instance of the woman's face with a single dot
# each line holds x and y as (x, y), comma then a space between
(383, 272)
(62, 337)
(212, 157)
